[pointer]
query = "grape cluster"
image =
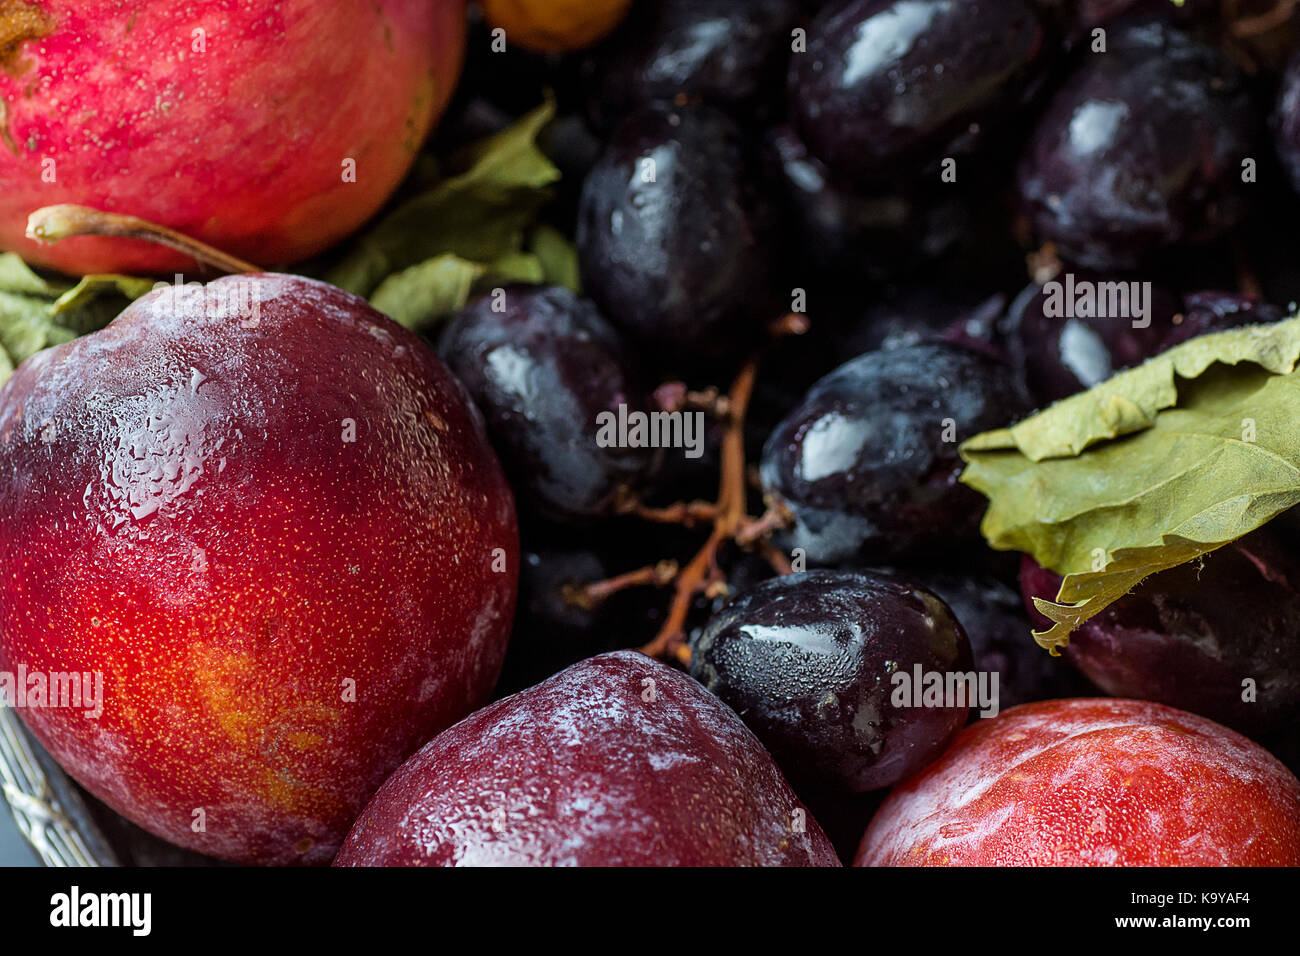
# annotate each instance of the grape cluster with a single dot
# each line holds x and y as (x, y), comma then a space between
(906, 184)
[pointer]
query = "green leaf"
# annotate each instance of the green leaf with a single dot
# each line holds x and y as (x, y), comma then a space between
(480, 213)
(93, 286)
(1149, 470)
(421, 295)
(514, 267)
(17, 277)
(27, 326)
(557, 255)
(36, 313)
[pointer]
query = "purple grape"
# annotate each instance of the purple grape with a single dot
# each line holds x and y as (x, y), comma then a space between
(808, 661)
(1206, 312)
(921, 314)
(1001, 639)
(1286, 121)
(1060, 355)
(1141, 149)
(868, 461)
(541, 371)
(887, 85)
(668, 233)
(874, 234)
(728, 54)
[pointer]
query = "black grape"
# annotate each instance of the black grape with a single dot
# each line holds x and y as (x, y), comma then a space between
(668, 235)
(808, 660)
(728, 54)
(1142, 148)
(541, 370)
(896, 84)
(868, 461)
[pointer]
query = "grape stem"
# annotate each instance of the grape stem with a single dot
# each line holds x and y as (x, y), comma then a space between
(703, 571)
(676, 397)
(1270, 19)
(731, 522)
(589, 596)
(53, 223)
(688, 514)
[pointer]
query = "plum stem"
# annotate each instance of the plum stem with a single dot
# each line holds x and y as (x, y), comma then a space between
(53, 223)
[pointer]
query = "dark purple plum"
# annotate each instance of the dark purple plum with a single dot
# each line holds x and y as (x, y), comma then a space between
(868, 461)
(1141, 149)
(808, 661)
(1060, 354)
(668, 229)
(617, 761)
(541, 370)
(896, 84)
(729, 54)
(1190, 636)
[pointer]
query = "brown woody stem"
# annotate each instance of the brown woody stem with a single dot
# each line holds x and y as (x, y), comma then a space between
(702, 573)
(53, 223)
(588, 596)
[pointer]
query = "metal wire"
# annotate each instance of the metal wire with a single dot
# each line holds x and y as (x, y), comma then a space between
(45, 804)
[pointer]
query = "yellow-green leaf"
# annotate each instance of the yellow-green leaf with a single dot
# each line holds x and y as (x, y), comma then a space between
(1130, 401)
(417, 297)
(17, 277)
(36, 313)
(1149, 470)
(90, 287)
(479, 213)
(557, 255)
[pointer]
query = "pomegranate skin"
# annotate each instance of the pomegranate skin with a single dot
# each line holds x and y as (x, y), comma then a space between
(616, 761)
(283, 540)
(1092, 782)
(233, 121)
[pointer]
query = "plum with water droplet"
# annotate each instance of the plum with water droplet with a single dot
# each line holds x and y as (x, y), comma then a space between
(616, 761)
(1092, 782)
(270, 519)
